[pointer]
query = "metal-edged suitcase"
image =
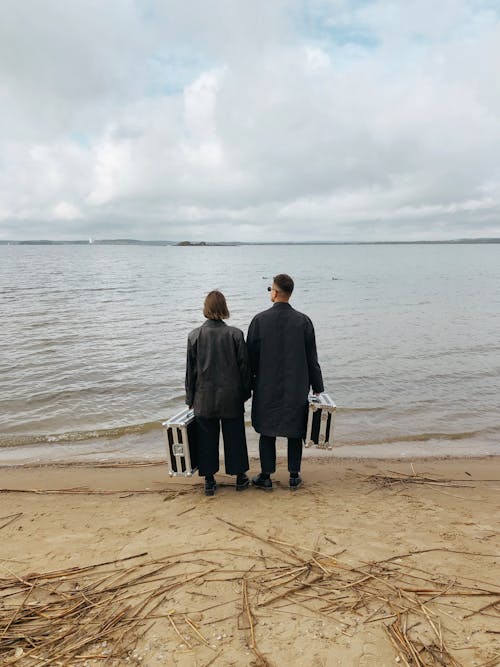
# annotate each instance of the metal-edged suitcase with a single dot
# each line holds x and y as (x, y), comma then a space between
(181, 444)
(320, 421)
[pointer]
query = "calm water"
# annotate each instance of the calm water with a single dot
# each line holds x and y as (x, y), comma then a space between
(92, 341)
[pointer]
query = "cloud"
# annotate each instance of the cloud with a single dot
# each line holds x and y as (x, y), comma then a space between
(65, 210)
(249, 121)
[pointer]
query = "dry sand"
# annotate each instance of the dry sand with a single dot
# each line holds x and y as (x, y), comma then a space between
(227, 579)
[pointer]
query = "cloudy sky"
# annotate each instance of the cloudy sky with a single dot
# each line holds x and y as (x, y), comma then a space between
(265, 120)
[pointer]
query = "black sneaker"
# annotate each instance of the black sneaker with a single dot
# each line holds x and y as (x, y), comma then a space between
(242, 482)
(295, 482)
(210, 486)
(262, 482)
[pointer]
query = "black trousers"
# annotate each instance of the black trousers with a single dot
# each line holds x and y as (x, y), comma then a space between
(267, 452)
(235, 445)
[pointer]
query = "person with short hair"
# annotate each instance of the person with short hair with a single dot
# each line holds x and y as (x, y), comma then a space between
(284, 366)
(217, 386)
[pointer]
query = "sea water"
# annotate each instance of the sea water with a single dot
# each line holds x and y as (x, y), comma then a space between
(93, 341)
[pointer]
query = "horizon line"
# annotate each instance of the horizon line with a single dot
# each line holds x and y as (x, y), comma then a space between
(186, 242)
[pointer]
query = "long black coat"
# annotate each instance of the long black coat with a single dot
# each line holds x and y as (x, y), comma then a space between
(217, 371)
(284, 365)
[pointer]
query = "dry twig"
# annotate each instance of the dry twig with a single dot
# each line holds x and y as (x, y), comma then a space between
(61, 617)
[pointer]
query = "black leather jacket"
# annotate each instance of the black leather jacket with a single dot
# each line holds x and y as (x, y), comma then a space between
(217, 370)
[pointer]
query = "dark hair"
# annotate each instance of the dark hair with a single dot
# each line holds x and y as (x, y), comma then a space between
(284, 282)
(215, 306)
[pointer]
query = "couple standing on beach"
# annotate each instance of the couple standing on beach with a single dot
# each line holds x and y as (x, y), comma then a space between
(278, 363)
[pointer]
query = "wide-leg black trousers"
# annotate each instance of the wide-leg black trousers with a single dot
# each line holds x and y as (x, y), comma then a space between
(267, 452)
(235, 445)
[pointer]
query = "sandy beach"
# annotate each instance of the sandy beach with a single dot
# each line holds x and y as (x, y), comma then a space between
(368, 563)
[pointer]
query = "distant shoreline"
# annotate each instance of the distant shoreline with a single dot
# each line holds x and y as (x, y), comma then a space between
(248, 243)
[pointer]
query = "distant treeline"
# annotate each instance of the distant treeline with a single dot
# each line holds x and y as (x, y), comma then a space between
(233, 243)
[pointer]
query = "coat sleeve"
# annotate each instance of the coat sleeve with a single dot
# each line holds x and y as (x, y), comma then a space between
(253, 347)
(190, 372)
(315, 376)
(243, 365)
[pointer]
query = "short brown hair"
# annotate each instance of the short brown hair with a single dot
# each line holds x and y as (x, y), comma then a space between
(215, 306)
(284, 282)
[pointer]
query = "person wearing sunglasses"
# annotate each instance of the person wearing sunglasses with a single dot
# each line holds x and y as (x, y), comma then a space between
(284, 367)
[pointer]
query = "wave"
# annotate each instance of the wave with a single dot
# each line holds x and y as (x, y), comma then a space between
(27, 439)
(148, 427)
(366, 409)
(419, 437)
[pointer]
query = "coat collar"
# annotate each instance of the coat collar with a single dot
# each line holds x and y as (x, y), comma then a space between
(214, 323)
(281, 304)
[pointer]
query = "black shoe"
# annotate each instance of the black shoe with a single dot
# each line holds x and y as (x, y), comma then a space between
(262, 482)
(210, 486)
(242, 482)
(295, 482)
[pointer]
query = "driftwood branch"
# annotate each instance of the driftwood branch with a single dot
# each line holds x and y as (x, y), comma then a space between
(63, 616)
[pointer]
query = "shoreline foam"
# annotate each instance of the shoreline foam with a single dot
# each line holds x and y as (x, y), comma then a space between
(149, 447)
